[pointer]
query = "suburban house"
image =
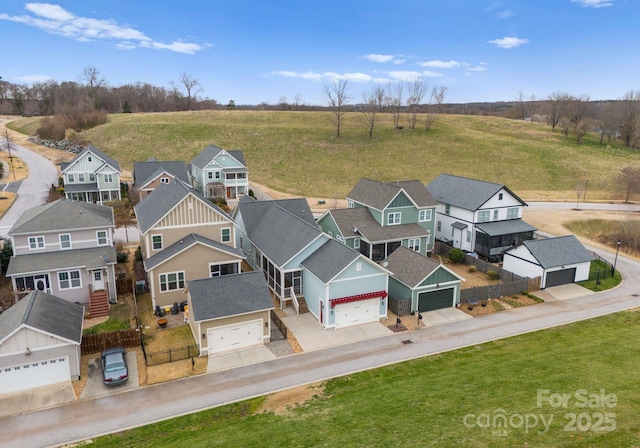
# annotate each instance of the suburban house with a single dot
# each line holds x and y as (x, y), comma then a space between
(183, 236)
(92, 176)
(148, 175)
(382, 217)
(478, 216)
(219, 173)
(40, 340)
(558, 261)
(229, 312)
(66, 248)
(425, 283)
(306, 268)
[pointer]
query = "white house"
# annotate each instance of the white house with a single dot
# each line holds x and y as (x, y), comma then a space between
(92, 176)
(218, 173)
(557, 260)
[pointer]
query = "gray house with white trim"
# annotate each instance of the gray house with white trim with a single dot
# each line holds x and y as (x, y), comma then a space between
(150, 174)
(91, 176)
(220, 173)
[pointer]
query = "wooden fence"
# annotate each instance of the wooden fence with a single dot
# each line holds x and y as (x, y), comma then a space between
(94, 343)
(400, 307)
(124, 285)
(278, 323)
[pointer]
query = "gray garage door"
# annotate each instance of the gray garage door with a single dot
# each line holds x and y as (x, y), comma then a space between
(434, 300)
(562, 277)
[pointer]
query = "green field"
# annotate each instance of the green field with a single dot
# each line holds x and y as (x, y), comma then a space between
(445, 400)
(297, 152)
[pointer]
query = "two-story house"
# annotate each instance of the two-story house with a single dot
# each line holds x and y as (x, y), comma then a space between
(183, 236)
(65, 248)
(382, 217)
(91, 176)
(219, 173)
(478, 216)
(150, 174)
(305, 268)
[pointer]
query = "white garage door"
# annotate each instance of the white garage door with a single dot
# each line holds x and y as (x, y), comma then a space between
(34, 374)
(355, 313)
(234, 336)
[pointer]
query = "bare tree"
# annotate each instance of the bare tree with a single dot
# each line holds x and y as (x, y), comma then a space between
(394, 102)
(629, 179)
(380, 98)
(434, 108)
(579, 115)
(522, 105)
(283, 104)
(554, 106)
(91, 75)
(416, 90)
(192, 86)
(628, 117)
(337, 94)
(370, 115)
(298, 101)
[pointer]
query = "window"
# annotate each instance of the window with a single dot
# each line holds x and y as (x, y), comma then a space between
(340, 238)
(81, 177)
(89, 158)
(500, 196)
(172, 281)
(156, 240)
(414, 244)
(92, 177)
(164, 180)
(69, 280)
(394, 218)
(101, 236)
(36, 242)
(217, 174)
(216, 270)
(108, 178)
(230, 176)
(483, 216)
(447, 209)
(226, 234)
(495, 215)
(512, 213)
(468, 236)
(210, 175)
(242, 175)
(105, 195)
(70, 178)
(356, 243)
(439, 226)
(350, 204)
(65, 241)
(424, 215)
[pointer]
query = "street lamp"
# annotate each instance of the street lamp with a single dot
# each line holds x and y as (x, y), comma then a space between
(586, 184)
(615, 260)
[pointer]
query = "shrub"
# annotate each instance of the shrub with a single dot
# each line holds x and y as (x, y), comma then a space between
(138, 255)
(456, 255)
(473, 269)
(493, 275)
(121, 257)
(251, 193)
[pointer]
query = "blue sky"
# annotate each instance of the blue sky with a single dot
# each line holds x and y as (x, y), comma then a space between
(255, 50)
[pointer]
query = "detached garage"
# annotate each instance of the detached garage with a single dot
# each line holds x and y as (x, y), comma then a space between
(229, 312)
(429, 285)
(557, 261)
(40, 340)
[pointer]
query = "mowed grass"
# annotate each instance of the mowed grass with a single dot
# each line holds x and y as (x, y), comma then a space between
(298, 153)
(424, 402)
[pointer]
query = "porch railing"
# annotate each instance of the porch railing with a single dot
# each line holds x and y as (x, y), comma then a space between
(294, 300)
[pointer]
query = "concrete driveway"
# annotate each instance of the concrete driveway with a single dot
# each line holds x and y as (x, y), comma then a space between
(238, 358)
(95, 388)
(568, 291)
(37, 399)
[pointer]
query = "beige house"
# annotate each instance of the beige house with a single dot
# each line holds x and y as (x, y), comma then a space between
(149, 175)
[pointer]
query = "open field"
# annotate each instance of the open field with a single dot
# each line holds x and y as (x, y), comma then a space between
(297, 152)
(427, 402)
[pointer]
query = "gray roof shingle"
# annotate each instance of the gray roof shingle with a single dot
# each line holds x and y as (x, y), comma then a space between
(558, 251)
(145, 172)
(46, 313)
(229, 295)
(63, 214)
(209, 152)
(379, 195)
(360, 218)
(329, 260)
(97, 153)
(469, 194)
(91, 258)
(409, 267)
(510, 226)
(186, 243)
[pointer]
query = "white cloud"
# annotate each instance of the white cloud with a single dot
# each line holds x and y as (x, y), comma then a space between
(481, 67)
(31, 79)
(505, 14)
(405, 75)
(54, 19)
(594, 3)
(378, 57)
(331, 76)
(509, 42)
(399, 61)
(440, 64)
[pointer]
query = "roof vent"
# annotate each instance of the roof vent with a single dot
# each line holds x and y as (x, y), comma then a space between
(355, 229)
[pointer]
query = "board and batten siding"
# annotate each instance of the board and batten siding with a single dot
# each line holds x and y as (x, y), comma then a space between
(190, 212)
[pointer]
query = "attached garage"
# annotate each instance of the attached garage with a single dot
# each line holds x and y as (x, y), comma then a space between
(230, 337)
(34, 374)
(561, 277)
(435, 300)
(355, 313)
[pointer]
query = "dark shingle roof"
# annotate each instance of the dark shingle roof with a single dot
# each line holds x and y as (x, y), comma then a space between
(229, 295)
(97, 153)
(278, 232)
(360, 218)
(409, 267)
(208, 154)
(497, 228)
(186, 243)
(145, 172)
(63, 214)
(379, 195)
(162, 199)
(91, 258)
(46, 313)
(469, 194)
(329, 260)
(559, 251)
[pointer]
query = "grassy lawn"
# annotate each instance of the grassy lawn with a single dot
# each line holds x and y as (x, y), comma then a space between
(296, 152)
(600, 277)
(119, 319)
(424, 402)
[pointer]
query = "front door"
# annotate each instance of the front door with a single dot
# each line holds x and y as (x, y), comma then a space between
(98, 281)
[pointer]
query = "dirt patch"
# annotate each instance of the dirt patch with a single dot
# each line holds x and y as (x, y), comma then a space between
(501, 304)
(472, 279)
(281, 403)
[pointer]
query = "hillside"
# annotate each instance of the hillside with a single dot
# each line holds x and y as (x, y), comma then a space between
(297, 152)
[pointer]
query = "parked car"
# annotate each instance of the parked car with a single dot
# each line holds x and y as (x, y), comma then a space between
(114, 366)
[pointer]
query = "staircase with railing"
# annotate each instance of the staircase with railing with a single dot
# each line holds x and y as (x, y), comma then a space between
(98, 302)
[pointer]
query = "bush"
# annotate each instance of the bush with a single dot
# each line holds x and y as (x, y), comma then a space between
(69, 123)
(473, 269)
(122, 257)
(138, 255)
(493, 275)
(456, 255)
(251, 193)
